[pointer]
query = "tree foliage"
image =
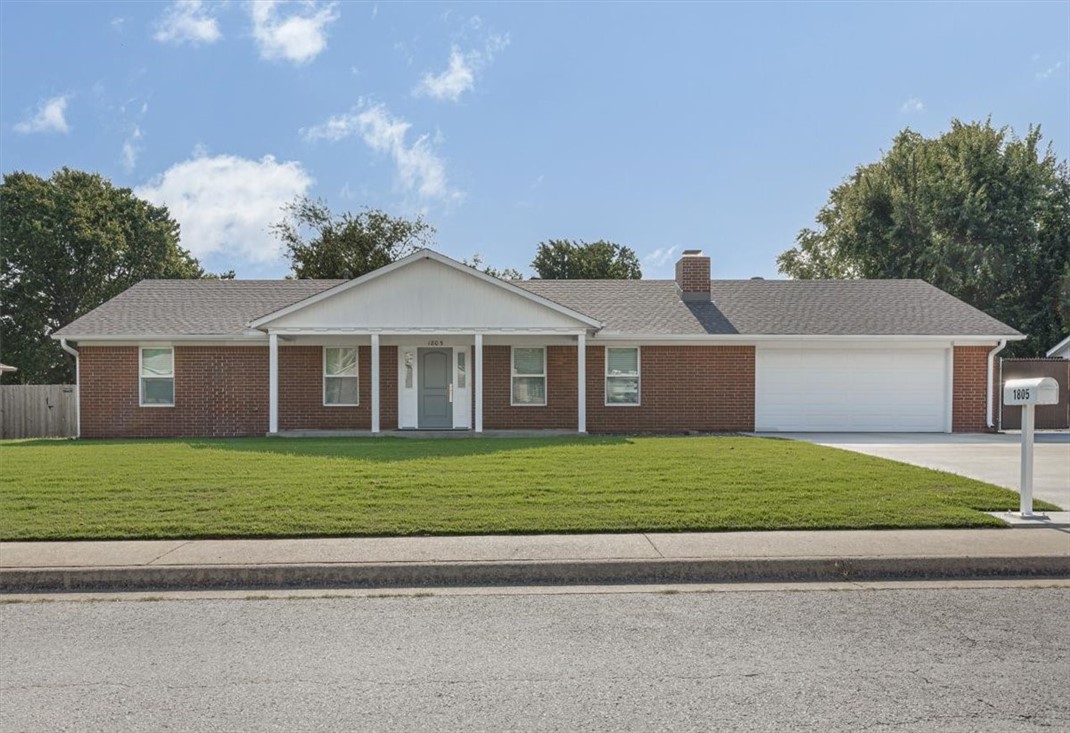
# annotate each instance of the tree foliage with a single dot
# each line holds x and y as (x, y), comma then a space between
(564, 259)
(349, 245)
(67, 244)
(504, 273)
(977, 212)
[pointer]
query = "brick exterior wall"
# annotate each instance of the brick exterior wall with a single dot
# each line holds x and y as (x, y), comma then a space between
(693, 274)
(682, 388)
(223, 391)
(561, 399)
(219, 391)
(301, 391)
(969, 400)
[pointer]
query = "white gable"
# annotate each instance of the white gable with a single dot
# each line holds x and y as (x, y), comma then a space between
(425, 292)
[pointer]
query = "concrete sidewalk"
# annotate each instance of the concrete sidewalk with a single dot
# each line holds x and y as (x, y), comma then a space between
(534, 559)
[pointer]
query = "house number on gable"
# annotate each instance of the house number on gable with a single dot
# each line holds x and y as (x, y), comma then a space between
(433, 342)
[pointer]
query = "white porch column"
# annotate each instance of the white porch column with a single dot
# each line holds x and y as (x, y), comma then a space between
(479, 383)
(375, 383)
(581, 383)
(273, 383)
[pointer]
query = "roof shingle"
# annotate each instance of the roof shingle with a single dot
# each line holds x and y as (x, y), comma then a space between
(167, 308)
(191, 307)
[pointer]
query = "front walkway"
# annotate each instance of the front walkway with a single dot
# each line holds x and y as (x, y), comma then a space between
(986, 457)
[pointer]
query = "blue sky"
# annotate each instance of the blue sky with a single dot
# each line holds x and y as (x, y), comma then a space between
(658, 126)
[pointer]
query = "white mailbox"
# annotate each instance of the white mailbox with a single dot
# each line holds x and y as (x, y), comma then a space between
(1038, 391)
(1029, 393)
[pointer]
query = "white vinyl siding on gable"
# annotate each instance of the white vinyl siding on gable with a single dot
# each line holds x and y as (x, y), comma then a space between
(528, 388)
(622, 376)
(156, 369)
(340, 380)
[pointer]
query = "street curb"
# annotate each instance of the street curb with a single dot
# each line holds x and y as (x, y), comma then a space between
(581, 572)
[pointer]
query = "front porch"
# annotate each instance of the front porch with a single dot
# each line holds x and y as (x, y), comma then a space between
(400, 382)
(434, 333)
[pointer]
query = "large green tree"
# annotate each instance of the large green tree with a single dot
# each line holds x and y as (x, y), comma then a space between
(320, 244)
(564, 259)
(977, 211)
(67, 244)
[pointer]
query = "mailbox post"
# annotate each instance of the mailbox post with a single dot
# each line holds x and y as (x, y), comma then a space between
(1029, 393)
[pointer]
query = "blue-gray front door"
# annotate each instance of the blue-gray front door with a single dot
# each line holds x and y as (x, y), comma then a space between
(434, 403)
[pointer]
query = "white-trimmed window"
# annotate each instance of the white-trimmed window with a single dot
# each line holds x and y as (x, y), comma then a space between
(622, 376)
(157, 376)
(528, 376)
(340, 387)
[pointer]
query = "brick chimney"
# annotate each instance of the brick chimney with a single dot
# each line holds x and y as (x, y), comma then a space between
(693, 275)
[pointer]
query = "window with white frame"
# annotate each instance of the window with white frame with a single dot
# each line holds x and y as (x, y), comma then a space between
(340, 376)
(157, 372)
(622, 376)
(529, 376)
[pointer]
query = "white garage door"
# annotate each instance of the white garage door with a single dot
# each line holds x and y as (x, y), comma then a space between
(902, 390)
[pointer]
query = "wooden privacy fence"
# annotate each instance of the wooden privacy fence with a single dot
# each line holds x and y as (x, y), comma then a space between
(1047, 416)
(38, 411)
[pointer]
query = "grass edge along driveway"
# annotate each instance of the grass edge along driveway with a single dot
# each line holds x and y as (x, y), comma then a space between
(272, 487)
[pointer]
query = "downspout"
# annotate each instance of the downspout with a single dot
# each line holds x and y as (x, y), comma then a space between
(77, 383)
(991, 368)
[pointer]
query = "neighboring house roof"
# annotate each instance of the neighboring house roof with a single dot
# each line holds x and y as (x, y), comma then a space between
(1062, 346)
(190, 308)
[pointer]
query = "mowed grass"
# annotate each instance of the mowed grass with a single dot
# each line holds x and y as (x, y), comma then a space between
(262, 487)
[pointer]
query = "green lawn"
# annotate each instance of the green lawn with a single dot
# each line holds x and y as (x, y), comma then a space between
(261, 487)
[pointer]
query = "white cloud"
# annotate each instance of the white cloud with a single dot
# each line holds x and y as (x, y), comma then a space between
(1050, 71)
(51, 116)
(227, 204)
(457, 79)
(660, 257)
(132, 149)
(417, 165)
(460, 75)
(187, 21)
(298, 37)
(912, 105)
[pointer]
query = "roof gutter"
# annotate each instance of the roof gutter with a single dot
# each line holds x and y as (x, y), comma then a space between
(77, 384)
(991, 392)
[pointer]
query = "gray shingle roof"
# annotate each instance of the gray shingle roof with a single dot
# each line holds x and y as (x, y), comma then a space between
(775, 307)
(654, 307)
(191, 307)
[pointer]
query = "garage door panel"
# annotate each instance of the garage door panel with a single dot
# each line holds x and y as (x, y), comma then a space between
(850, 390)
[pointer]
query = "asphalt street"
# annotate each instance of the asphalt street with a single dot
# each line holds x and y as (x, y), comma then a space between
(948, 659)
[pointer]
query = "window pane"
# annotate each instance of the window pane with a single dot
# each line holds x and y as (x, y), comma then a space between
(157, 391)
(622, 390)
(342, 362)
(622, 361)
(157, 363)
(529, 390)
(527, 361)
(341, 391)
(408, 369)
(462, 379)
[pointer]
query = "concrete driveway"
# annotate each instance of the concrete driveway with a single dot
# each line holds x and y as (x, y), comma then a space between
(987, 457)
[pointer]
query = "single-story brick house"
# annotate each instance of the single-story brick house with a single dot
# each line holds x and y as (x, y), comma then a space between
(430, 343)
